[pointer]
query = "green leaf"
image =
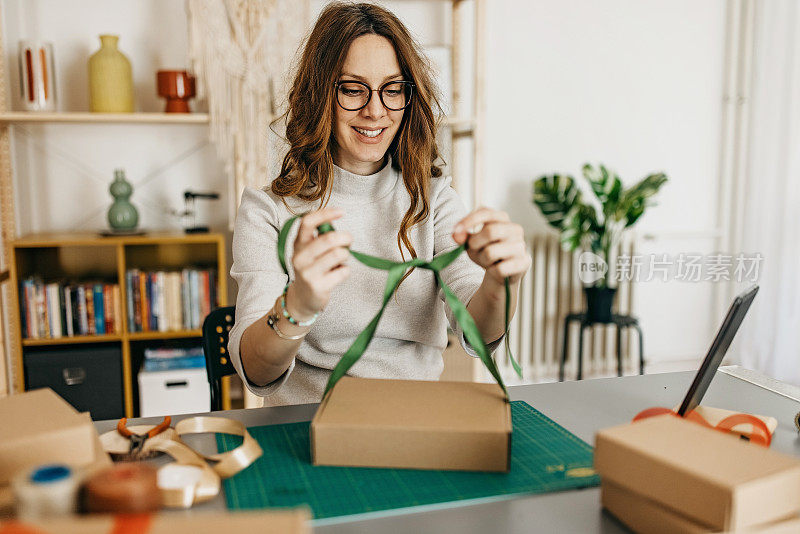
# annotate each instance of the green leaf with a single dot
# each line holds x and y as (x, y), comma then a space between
(606, 188)
(637, 198)
(579, 227)
(555, 196)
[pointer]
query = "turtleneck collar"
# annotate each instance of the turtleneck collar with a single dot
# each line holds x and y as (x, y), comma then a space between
(372, 186)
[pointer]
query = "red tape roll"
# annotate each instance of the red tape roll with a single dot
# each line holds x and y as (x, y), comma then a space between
(760, 433)
(131, 524)
(14, 527)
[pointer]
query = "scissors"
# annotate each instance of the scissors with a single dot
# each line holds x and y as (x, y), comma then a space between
(137, 440)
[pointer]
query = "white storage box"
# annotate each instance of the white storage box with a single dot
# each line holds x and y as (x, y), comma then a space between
(173, 392)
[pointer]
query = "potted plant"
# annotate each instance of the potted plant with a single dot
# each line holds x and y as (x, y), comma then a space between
(584, 226)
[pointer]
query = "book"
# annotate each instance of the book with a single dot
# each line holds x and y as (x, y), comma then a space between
(165, 353)
(23, 311)
(68, 312)
(174, 304)
(108, 309)
(116, 299)
(83, 314)
(184, 362)
(130, 300)
(194, 299)
(137, 301)
(205, 296)
(43, 330)
(186, 300)
(99, 309)
(145, 317)
(53, 310)
(30, 305)
(76, 315)
(90, 316)
(163, 318)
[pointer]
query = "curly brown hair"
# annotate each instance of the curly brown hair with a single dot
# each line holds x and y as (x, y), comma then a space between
(307, 169)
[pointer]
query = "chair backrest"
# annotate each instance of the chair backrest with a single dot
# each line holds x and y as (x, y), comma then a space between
(216, 327)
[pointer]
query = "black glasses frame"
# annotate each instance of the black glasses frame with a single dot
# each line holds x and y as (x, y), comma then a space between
(379, 90)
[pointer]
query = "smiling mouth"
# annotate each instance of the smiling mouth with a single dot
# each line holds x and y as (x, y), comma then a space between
(369, 133)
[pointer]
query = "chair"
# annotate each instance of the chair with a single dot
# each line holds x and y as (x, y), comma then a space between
(216, 327)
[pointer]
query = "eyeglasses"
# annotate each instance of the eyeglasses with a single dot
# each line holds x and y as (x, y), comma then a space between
(353, 95)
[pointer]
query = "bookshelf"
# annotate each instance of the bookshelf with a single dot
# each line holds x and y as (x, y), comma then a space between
(81, 257)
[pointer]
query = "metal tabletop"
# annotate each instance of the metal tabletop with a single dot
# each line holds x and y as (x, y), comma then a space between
(583, 408)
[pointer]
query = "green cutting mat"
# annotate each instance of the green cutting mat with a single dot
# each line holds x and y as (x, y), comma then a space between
(544, 457)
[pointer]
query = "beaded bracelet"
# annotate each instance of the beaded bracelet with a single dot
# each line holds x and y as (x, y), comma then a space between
(291, 319)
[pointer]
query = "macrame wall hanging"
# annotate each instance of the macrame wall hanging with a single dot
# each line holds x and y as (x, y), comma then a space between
(241, 51)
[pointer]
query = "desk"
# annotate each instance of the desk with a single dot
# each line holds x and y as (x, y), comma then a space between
(581, 407)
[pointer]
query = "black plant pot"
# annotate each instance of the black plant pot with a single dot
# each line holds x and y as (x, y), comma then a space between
(599, 301)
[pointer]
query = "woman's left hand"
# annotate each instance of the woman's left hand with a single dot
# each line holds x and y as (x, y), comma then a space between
(495, 243)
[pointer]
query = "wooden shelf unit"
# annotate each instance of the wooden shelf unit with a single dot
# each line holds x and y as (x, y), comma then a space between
(27, 117)
(78, 256)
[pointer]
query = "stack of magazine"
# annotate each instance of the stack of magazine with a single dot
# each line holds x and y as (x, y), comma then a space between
(167, 359)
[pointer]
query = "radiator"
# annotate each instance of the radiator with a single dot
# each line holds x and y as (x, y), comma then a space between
(551, 290)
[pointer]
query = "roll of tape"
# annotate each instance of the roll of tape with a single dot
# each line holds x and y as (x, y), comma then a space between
(45, 491)
(190, 480)
(123, 488)
(179, 483)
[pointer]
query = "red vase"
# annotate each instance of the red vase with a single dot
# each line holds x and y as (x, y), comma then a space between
(177, 86)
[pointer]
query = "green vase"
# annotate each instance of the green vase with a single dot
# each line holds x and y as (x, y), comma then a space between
(122, 215)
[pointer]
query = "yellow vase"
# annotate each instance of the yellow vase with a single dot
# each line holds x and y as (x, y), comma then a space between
(110, 78)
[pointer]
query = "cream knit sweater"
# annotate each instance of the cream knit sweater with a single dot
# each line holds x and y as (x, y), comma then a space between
(412, 333)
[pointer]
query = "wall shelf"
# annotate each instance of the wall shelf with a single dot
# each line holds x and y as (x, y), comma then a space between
(461, 125)
(86, 117)
(70, 340)
(172, 334)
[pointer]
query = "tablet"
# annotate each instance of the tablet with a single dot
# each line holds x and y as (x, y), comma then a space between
(717, 351)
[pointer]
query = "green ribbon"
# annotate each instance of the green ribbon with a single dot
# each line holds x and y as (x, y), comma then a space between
(396, 271)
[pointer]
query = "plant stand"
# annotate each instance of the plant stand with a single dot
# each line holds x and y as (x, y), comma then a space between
(621, 321)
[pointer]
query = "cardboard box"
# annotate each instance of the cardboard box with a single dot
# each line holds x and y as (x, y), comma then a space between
(173, 392)
(712, 478)
(413, 424)
(39, 427)
(644, 516)
(277, 522)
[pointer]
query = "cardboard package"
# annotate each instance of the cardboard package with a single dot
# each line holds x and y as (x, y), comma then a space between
(644, 516)
(710, 478)
(39, 427)
(413, 424)
(268, 522)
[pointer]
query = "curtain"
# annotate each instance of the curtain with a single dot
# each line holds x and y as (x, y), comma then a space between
(770, 338)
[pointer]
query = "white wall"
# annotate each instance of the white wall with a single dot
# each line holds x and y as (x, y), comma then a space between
(633, 84)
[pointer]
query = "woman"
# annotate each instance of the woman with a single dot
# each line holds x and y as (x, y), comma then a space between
(363, 155)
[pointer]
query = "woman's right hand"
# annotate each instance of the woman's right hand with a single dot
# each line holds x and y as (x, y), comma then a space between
(319, 262)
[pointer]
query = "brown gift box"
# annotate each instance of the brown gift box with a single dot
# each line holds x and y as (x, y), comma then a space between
(644, 516)
(268, 522)
(39, 427)
(413, 424)
(711, 478)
